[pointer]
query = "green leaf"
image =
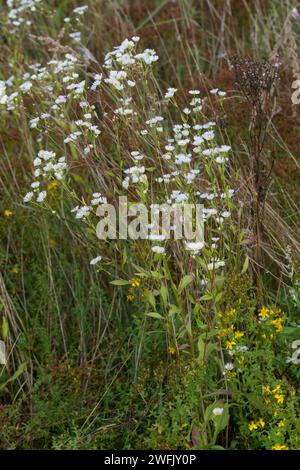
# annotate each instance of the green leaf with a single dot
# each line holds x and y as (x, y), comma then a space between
(185, 281)
(164, 294)
(218, 297)
(154, 315)
(201, 348)
(246, 265)
(120, 282)
(206, 297)
(156, 274)
(4, 328)
(151, 299)
(18, 372)
(174, 309)
(221, 421)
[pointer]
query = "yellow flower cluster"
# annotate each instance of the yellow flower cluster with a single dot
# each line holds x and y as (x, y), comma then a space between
(279, 447)
(276, 393)
(225, 323)
(275, 317)
(134, 282)
(256, 425)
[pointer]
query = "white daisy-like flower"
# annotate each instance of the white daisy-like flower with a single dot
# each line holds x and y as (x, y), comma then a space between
(158, 249)
(218, 411)
(170, 93)
(28, 196)
(41, 196)
(194, 246)
(96, 260)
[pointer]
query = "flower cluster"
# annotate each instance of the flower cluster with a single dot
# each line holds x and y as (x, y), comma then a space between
(47, 168)
(20, 12)
(271, 320)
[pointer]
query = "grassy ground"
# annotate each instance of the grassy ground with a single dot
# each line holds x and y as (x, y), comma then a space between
(144, 350)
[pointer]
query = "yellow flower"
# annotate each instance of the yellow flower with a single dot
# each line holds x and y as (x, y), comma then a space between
(280, 424)
(278, 323)
(225, 332)
(252, 426)
(279, 397)
(52, 185)
(135, 282)
(279, 447)
(239, 334)
(261, 423)
(130, 297)
(264, 312)
(15, 269)
(266, 389)
(229, 344)
(171, 350)
(7, 213)
(232, 312)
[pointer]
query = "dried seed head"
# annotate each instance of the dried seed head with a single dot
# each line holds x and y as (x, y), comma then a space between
(255, 78)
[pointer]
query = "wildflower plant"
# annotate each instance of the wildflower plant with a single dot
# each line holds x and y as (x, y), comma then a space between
(99, 131)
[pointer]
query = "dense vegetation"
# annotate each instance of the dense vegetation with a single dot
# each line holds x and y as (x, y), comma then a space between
(149, 344)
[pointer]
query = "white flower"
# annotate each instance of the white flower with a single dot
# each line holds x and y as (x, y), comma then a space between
(96, 260)
(221, 159)
(41, 196)
(80, 10)
(158, 249)
(169, 148)
(182, 158)
(97, 81)
(76, 36)
(81, 212)
(46, 154)
(170, 93)
(28, 196)
(37, 161)
(183, 142)
(3, 95)
(194, 246)
(208, 135)
(227, 367)
(34, 122)
(61, 99)
(25, 86)
(215, 265)
(148, 56)
(218, 411)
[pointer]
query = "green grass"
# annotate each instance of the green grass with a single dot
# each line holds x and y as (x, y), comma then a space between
(94, 363)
